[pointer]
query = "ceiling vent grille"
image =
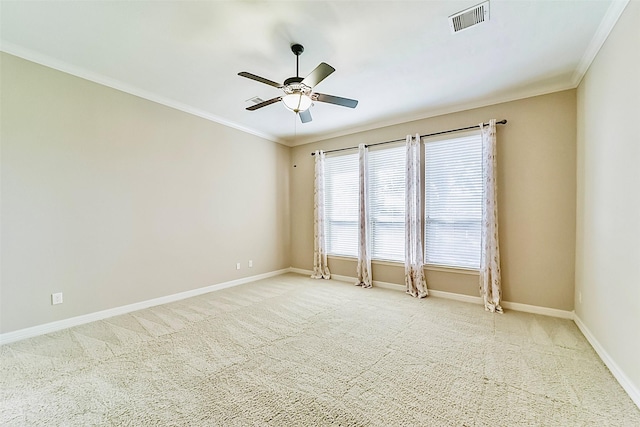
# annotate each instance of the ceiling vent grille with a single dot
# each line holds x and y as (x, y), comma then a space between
(255, 100)
(469, 17)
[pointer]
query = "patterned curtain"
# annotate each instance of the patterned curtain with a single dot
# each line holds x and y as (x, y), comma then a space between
(413, 260)
(490, 255)
(363, 273)
(320, 266)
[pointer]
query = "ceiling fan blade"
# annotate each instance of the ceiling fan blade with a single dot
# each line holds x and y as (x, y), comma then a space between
(305, 116)
(259, 79)
(345, 102)
(320, 73)
(264, 103)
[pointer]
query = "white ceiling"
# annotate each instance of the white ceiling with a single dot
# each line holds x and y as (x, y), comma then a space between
(398, 58)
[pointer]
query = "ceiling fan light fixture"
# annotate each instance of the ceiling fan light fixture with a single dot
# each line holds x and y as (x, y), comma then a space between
(298, 91)
(297, 102)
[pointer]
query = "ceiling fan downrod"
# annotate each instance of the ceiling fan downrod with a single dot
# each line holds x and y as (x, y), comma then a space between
(297, 50)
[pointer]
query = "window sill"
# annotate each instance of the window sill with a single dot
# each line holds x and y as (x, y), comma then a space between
(373, 261)
(448, 269)
(430, 267)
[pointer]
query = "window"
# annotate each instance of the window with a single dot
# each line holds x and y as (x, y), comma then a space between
(386, 203)
(341, 204)
(453, 201)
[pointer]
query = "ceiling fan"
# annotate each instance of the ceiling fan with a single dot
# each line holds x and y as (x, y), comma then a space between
(299, 94)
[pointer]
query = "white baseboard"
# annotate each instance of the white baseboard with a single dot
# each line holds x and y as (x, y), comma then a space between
(632, 390)
(47, 328)
(536, 309)
(432, 292)
(301, 271)
(456, 297)
(516, 306)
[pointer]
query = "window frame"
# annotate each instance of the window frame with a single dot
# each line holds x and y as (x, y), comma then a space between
(395, 214)
(428, 262)
(477, 222)
(329, 229)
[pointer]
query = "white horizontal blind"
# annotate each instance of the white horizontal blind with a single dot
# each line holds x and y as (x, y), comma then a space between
(386, 203)
(453, 201)
(341, 204)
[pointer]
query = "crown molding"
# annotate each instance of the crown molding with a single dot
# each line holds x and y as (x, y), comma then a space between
(606, 26)
(47, 61)
(456, 108)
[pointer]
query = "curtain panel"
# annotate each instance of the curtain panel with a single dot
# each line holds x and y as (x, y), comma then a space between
(490, 287)
(413, 259)
(320, 265)
(363, 270)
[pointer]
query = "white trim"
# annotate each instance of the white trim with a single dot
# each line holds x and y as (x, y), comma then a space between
(446, 269)
(348, 279)
(456, 297)
(389, 285)
(604, 29)
(432, 292)
(343, 257)
(301, 271)
(515, 306)
(632, 390)
(536, 309)
(82, 73)
(47, 328)
(546, 311)
(385, 262)
(373, 261)
(427, 114)
(400, 264)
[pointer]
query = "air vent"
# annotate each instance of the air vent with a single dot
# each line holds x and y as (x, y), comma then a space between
(469, 17)
(255, 100)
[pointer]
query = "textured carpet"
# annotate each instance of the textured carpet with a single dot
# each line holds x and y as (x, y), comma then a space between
(291, 351)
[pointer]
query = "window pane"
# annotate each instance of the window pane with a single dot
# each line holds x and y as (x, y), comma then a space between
(453, 201)
(386, 203)
(341, 204)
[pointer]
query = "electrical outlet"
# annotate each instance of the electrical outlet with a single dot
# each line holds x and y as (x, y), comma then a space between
(250, 263)
(237, 266)
(580, 297)
(56, 298)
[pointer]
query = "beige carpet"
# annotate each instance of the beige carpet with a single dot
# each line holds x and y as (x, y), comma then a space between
(291, 351)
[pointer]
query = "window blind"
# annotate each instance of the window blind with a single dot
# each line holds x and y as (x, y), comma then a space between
(453, 201)
(386, 203)
(341, 204)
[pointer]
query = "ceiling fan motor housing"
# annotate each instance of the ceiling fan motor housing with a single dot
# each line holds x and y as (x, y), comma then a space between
(293, 80)
(293, 85)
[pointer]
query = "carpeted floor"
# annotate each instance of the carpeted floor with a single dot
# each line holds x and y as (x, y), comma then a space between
(291, 351)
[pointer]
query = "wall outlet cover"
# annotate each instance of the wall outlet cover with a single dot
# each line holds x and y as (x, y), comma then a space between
(56, 298)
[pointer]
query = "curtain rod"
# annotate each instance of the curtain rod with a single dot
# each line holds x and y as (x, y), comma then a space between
(501, 122)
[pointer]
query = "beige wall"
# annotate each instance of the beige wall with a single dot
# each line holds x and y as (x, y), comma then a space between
(112, 199)
(536, 196)
(608, 196)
